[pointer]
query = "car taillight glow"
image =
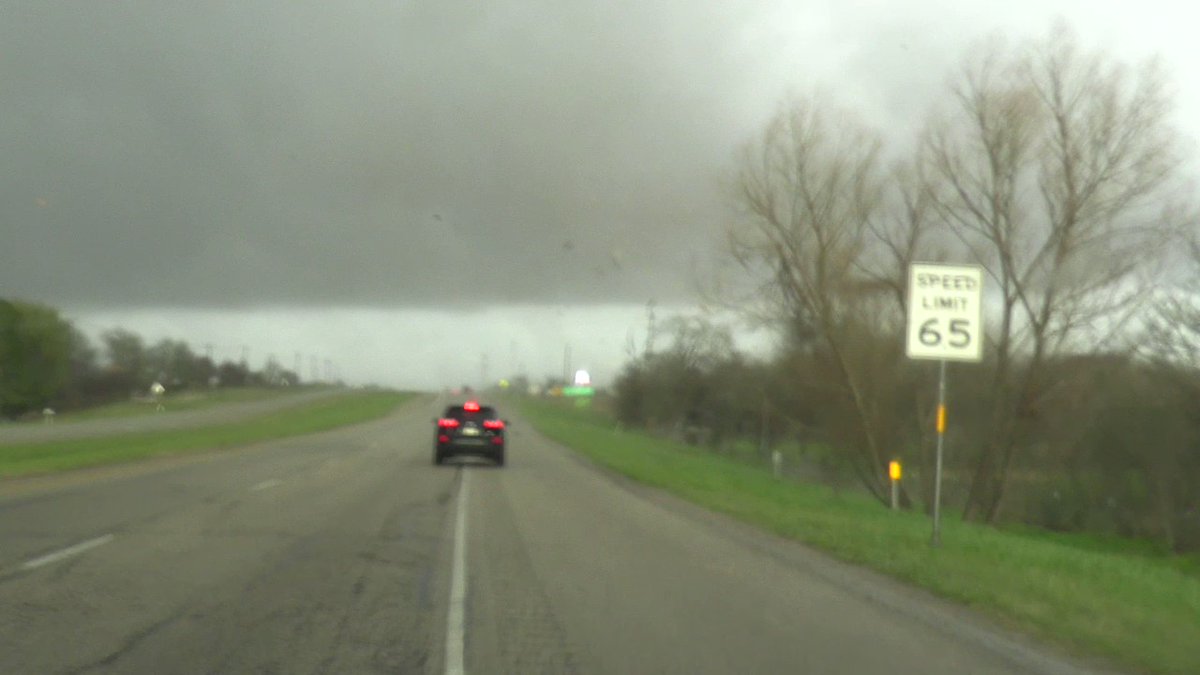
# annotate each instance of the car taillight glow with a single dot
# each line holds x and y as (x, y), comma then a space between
(448, 423)
(493, 424)
(471, 406)
(443, 438)
(497, 440)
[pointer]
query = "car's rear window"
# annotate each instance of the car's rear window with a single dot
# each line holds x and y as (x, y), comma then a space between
(457, 412)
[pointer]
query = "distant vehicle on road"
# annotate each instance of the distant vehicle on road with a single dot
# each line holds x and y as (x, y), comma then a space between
(469, 429)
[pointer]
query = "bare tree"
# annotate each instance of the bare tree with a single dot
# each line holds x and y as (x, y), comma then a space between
(1170, 335)
(810, 188)
(905, 231)
(1056, 173)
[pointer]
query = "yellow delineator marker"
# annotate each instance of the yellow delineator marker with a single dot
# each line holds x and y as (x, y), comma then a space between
(894, 474)
(941, 419)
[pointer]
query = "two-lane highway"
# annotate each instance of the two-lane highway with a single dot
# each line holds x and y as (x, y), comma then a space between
(349, 552)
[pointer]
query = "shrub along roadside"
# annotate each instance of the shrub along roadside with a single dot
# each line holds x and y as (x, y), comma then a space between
(34, 458)
(1100, 598)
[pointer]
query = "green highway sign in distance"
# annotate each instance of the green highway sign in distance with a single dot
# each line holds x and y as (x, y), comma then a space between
(578, 391)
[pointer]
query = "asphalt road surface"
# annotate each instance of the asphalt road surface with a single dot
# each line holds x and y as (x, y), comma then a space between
(185, 419)
(349, 552)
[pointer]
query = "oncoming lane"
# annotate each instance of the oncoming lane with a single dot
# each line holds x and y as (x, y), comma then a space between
(317, 554)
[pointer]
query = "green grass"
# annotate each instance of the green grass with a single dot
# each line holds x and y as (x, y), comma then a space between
(1093, 596)
(35, 458)
(174, 403)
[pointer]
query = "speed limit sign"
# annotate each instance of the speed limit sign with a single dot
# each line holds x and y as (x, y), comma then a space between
(945, 312)
(945, 323)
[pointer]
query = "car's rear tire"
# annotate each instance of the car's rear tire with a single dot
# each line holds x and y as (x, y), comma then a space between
(499, 458)
(439, 457)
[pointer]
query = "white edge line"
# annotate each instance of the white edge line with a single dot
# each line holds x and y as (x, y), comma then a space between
(456, 616)
(266, 484)
(67, 552)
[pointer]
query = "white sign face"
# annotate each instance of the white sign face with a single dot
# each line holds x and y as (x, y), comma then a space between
(945, 312)
(582, 379)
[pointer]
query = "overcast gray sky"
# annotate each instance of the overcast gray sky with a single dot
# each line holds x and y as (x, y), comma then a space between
(438, 158)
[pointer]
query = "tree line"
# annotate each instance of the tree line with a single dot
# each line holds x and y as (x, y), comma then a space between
(46, 361)
(1056, 169)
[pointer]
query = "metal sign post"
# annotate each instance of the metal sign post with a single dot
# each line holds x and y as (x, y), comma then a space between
(936, 538)
(945, 323)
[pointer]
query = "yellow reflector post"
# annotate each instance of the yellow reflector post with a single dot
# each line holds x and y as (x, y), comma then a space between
(894, 470)
(941, 419)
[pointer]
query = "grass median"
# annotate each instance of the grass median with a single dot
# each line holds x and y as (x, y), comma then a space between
(175, 403)
(1095, 596)
(24, 459)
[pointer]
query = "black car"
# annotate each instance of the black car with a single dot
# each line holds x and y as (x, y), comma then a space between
(469, 429)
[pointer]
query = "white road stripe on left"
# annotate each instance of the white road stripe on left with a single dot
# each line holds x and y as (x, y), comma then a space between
(67, 552)
(266, 484)
(456, 629)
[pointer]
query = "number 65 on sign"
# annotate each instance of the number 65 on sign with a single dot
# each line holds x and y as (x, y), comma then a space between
(945, 312)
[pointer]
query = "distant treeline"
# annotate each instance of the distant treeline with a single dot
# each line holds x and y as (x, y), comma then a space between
(46, 361)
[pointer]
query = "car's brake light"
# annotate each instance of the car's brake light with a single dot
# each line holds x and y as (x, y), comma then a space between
(443, 438)
(471, 406)
(497, 440)
(447, 423)
(493, 424)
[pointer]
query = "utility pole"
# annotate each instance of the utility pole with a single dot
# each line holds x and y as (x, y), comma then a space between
(762, 428)
(314, 367)
(483, 371)
(567, 364)
(650, 328)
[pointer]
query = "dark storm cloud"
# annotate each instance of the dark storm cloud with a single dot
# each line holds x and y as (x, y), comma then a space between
(391, 153)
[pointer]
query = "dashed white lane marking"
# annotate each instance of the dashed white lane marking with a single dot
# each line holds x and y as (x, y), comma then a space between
(455, 618)
(67, 552)
(266, 484)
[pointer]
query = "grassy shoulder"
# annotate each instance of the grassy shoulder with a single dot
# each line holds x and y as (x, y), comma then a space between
(1141, 610)
(37, 458)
